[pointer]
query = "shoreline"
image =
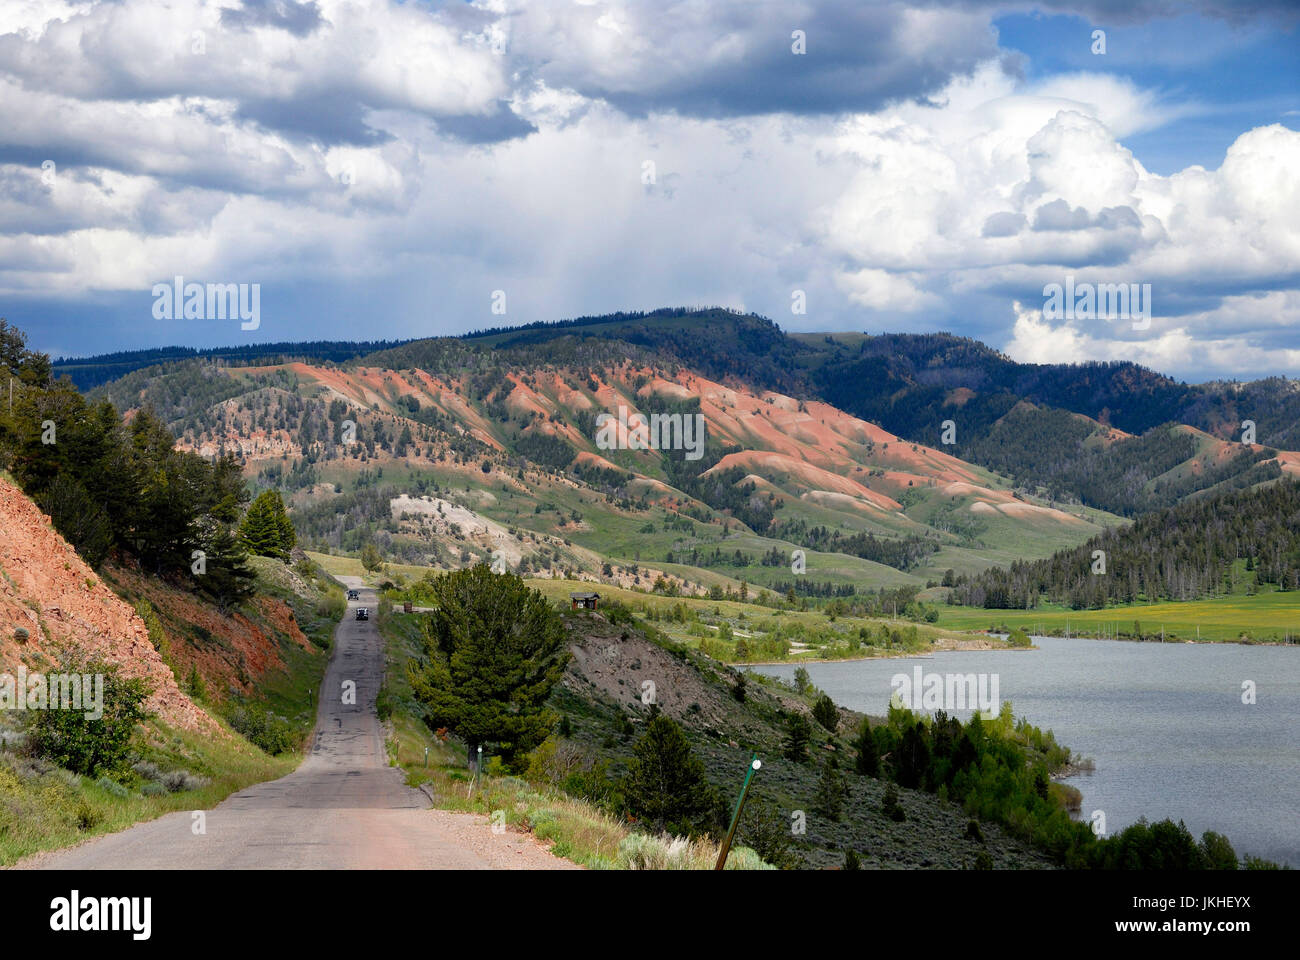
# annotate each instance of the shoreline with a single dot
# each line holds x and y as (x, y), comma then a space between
(976, 643)
(1192, 641)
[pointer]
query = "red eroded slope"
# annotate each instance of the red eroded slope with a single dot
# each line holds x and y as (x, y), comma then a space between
(48, 589)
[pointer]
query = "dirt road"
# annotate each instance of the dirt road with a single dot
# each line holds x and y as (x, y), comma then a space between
(343, 808)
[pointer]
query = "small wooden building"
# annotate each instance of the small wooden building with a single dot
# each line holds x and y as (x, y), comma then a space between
(584, 601)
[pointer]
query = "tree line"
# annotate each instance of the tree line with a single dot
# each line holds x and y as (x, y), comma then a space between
(1185, 552)
(115, 486)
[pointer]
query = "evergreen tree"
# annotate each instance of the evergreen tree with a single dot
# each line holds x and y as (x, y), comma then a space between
(798, 733)
(826, 713)
(371, 558)
(267, 529)
(890, 806)
(665, 784)
(912, 758)
(195, 686)
(868, 759)
(493, 651)
(831, 790)
(224, 575)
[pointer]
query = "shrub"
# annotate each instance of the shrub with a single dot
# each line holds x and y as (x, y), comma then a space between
(826, 713)
(147, 770)
(267, 731)
(92, 746)
(176, 781)
(640, 851)
(616, 611)
(87, 817)
(112, 787)
(890, 806)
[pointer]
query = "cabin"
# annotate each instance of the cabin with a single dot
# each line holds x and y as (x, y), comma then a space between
(584, 601)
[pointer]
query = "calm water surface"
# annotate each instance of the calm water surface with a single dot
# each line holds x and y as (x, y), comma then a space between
(1164, 723)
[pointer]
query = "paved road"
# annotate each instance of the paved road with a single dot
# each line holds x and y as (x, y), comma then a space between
(344, 807)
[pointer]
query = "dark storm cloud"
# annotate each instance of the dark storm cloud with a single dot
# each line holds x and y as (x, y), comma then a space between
(299, 19)
(503, 124)
(329, 117)
(739, 58)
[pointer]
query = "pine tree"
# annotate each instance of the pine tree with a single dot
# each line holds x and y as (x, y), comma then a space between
(493, 650)
(195, 686)
(225, 576)
(267, 529)
(831, 790)
(826, 713)
(868, 759)
(798, 733)
(371, 558)
(912, 758)
(665, 784)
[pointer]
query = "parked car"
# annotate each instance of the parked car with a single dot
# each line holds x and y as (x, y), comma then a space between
(363, 613)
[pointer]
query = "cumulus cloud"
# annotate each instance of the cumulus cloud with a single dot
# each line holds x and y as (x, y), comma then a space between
(1225, 342)
(607, 154)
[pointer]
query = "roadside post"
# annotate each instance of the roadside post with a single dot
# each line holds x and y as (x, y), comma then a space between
(754, 764)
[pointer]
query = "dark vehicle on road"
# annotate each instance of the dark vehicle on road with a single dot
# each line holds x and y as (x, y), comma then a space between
(363, 613)
(354, 595)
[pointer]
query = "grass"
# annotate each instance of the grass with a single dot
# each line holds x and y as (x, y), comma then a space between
(1263, 618)
(44, 807)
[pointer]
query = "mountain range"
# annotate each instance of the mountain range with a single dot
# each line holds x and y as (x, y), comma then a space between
(449, 449)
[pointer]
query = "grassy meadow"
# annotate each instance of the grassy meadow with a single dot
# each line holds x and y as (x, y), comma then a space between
(1262, 618)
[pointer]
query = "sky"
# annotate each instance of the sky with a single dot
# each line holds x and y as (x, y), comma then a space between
(378, 169)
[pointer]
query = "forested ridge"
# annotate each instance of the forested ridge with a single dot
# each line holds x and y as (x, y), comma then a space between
(90, 372)
(1185, 552)
(1016, 418)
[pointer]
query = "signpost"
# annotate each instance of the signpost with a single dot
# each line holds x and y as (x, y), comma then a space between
(754, 764)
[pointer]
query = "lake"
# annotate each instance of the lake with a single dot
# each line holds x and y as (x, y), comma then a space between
(1165, 724)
